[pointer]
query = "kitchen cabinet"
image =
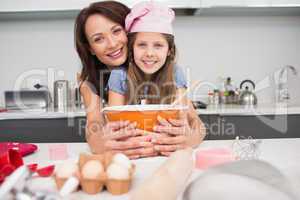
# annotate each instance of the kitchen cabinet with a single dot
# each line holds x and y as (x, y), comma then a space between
(260, 126)
(285, 3)
(12, 6)
(43, 130)
(219, 127)
(57, 130)
(46, 5)
(205, 120)
(58, 5)
(216, 3)
(250, 3)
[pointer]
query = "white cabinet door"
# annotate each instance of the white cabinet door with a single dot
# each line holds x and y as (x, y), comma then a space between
(181, 3)
(57, 5)
(258, 3)
(250, 3)
(60, 5)
(42, 5)
(286, 3)
(216, 3)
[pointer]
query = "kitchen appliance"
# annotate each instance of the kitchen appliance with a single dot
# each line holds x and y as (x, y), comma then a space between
(77, 99)
(199, 105)
(247, 97)
(27, 99)
(61, 94)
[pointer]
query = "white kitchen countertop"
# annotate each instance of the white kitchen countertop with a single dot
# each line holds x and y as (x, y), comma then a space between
(261, 109)
(41, 114)
(281, 153)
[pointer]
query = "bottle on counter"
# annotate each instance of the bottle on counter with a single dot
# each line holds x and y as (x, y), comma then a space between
(228, 85)
(216, 97)
(221, 90)
(210, 98)
(230, 96)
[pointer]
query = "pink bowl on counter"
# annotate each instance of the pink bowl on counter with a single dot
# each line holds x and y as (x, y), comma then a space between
(206, 158)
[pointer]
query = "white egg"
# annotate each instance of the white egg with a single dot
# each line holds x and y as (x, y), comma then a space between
(122, 160)
(66, 169)
(116, 171)
(91, 169)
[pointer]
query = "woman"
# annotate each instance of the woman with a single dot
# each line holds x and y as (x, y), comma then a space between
(101, 43)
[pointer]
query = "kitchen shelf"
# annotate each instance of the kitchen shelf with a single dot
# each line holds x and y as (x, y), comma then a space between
(65, 14)
(248, 11)
(216, 11)
(58, 5)
(13, 9)
(39, 15)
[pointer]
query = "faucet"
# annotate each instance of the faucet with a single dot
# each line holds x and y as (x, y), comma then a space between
(283, 93)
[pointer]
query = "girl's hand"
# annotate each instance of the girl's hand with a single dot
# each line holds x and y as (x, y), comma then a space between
(142, 152)
(175, 135)
(113, 136)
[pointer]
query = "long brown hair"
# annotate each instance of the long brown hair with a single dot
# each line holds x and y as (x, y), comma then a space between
(91, 65)
(161, 87)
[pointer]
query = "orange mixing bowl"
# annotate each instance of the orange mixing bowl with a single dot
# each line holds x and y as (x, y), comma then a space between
(144, 115)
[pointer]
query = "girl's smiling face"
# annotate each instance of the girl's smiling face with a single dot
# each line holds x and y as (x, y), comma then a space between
(150, 51)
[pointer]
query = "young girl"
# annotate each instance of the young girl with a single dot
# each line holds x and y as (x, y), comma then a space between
(152, 77)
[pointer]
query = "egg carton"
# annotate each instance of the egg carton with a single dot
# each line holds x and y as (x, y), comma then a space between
(97, 184)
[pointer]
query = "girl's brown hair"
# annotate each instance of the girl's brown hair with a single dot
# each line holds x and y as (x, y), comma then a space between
(91, 66)
(161, 87)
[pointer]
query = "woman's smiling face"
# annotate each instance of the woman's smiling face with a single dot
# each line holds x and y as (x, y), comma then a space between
(107, 40)
(150, 51)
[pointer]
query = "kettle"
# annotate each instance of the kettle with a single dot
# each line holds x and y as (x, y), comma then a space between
(247, 97)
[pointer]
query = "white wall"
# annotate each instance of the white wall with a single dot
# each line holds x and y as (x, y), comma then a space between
(240, 47)
(211, 47)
